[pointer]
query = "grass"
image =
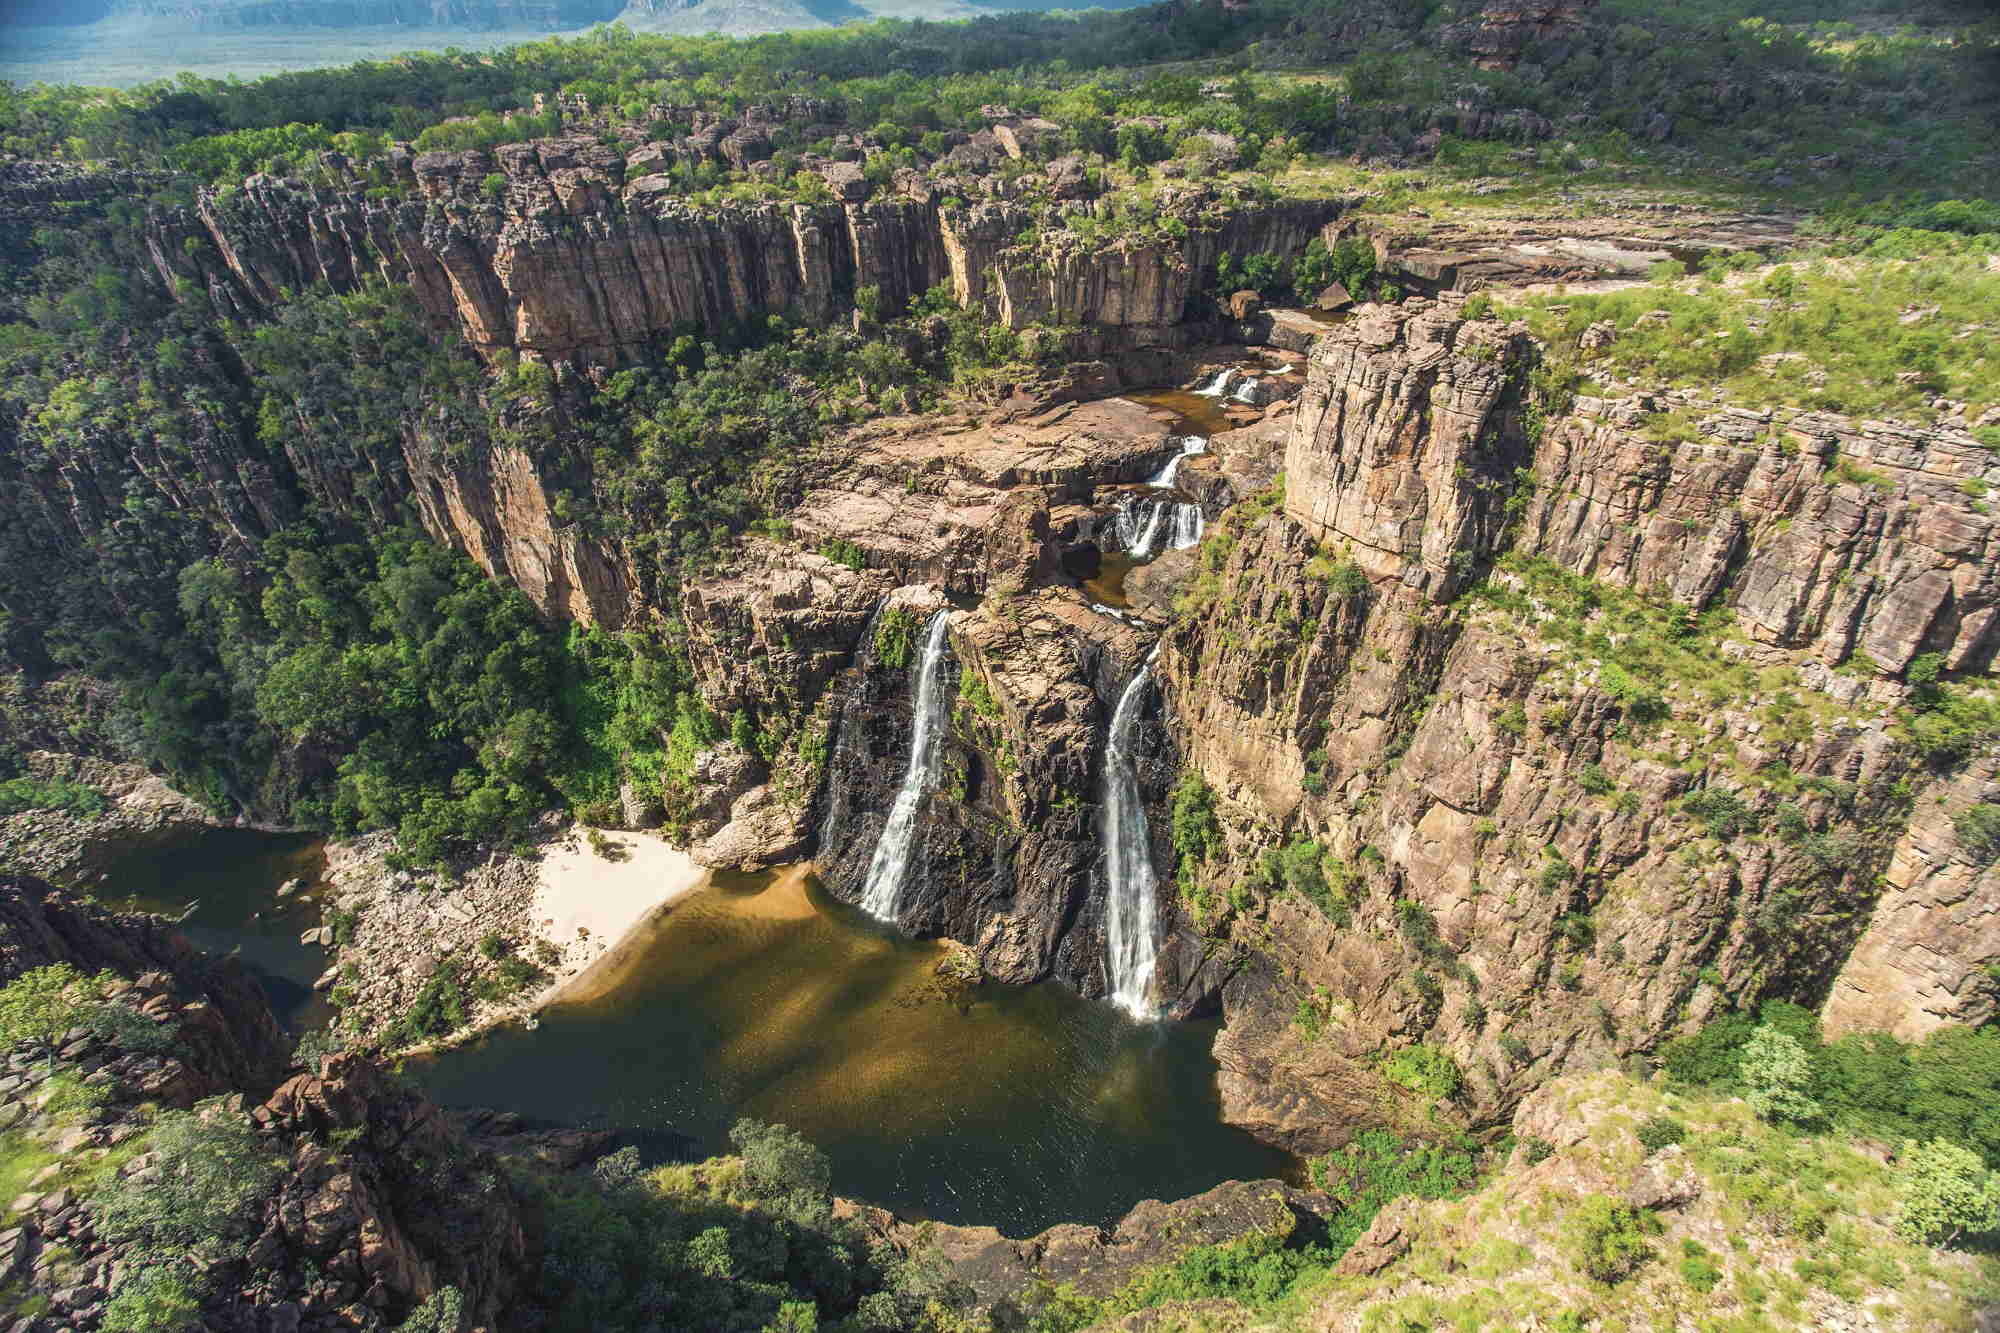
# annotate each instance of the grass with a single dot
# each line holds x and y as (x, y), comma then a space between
(1862, 335)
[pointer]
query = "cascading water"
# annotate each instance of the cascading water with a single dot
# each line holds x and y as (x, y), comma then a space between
(1137, 534)
(1218, 386)
(882, 895)
(1131, 949)
(1145, 527)
(1191, 445)
(1189, 524)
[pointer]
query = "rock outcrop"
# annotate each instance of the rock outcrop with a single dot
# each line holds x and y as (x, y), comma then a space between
(141, 812)
(575, 256)
(376, 1200)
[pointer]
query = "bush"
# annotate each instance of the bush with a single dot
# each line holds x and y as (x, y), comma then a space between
(1658, 1131)
(1698, 1268)
(1978, 830)
(19, 794)
(41, 1005)
(1425, 1069)
(1947, 1193)
(155, 1299)
(1606, 1239)
(1722, 813)
(213, 1177)
(896, 639)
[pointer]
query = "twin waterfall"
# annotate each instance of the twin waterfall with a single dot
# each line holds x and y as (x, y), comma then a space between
(1130, 928)
(882, 895)
(1144, 526)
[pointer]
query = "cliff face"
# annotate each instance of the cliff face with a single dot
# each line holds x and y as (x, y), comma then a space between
(1517, 877)
(574, 253)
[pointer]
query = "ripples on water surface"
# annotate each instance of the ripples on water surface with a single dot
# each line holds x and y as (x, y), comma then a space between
(761, 996)
(230, 878)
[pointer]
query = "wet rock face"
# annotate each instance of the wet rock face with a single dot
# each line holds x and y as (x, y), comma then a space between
(1007, 859)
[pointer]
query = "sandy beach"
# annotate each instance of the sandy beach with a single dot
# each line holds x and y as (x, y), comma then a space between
(589, 897)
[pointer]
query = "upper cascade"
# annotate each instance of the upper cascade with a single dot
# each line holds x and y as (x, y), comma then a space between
(1131, 928)
(882, 895)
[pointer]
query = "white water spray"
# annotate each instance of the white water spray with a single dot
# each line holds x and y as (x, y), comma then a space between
(1131, 949)
(1220, 385)
(1189, 524)
(882, 895)
(1190, 445)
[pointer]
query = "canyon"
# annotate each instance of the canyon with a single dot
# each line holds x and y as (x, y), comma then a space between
(1237, 582)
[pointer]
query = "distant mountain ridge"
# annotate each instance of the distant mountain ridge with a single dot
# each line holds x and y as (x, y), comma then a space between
(550, 14)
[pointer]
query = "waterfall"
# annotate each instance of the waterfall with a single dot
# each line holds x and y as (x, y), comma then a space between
(1135, 534)
(882, 895)
(1188, 526)
(1218, 386)
(1251, 391)
(1129, 925)
(1192, 444)
(1145, 526)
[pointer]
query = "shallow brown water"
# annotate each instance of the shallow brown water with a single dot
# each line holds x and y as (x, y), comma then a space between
(759, 995)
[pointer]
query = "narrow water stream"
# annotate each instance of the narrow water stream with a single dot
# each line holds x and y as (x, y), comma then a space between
(1017, 1107)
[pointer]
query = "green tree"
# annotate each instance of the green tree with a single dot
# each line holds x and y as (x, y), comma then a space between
(1947, 1193)
(1777, 1076)
(41, 1005)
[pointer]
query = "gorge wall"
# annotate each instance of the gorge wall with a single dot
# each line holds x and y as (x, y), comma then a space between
(581, 255)
(1529, 865)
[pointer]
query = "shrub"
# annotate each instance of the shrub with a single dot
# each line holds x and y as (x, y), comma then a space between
(1593, 780)
(1426, 1069)
(1196, 832)
(779, 1162)
(896, 638)
(438, 1010)
(1606, 1239)
(214, 1174)
(1978, 830)
(42, 1004)
(1722, 813)
(19, 794)
(1658, 1131)
(1947, 1193)
(155, 1299)
(1776, 1076)
(1698, 1268)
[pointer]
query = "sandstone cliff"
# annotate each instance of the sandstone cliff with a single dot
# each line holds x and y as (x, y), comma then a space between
(576, 254)
(1534, 856)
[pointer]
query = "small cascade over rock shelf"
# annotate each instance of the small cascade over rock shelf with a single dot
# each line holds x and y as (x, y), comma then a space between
(1190, 446)
(882, 895)
(1130, 924)
(1220, 386)
(1145, 526)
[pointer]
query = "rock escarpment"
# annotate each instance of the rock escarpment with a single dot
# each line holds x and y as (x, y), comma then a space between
(1531, 857)
(577, 254)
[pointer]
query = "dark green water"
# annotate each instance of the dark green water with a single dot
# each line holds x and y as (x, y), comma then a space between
(1017, 1107)
(231, 878)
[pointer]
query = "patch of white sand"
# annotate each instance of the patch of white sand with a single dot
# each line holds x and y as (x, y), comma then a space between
(593, 892)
